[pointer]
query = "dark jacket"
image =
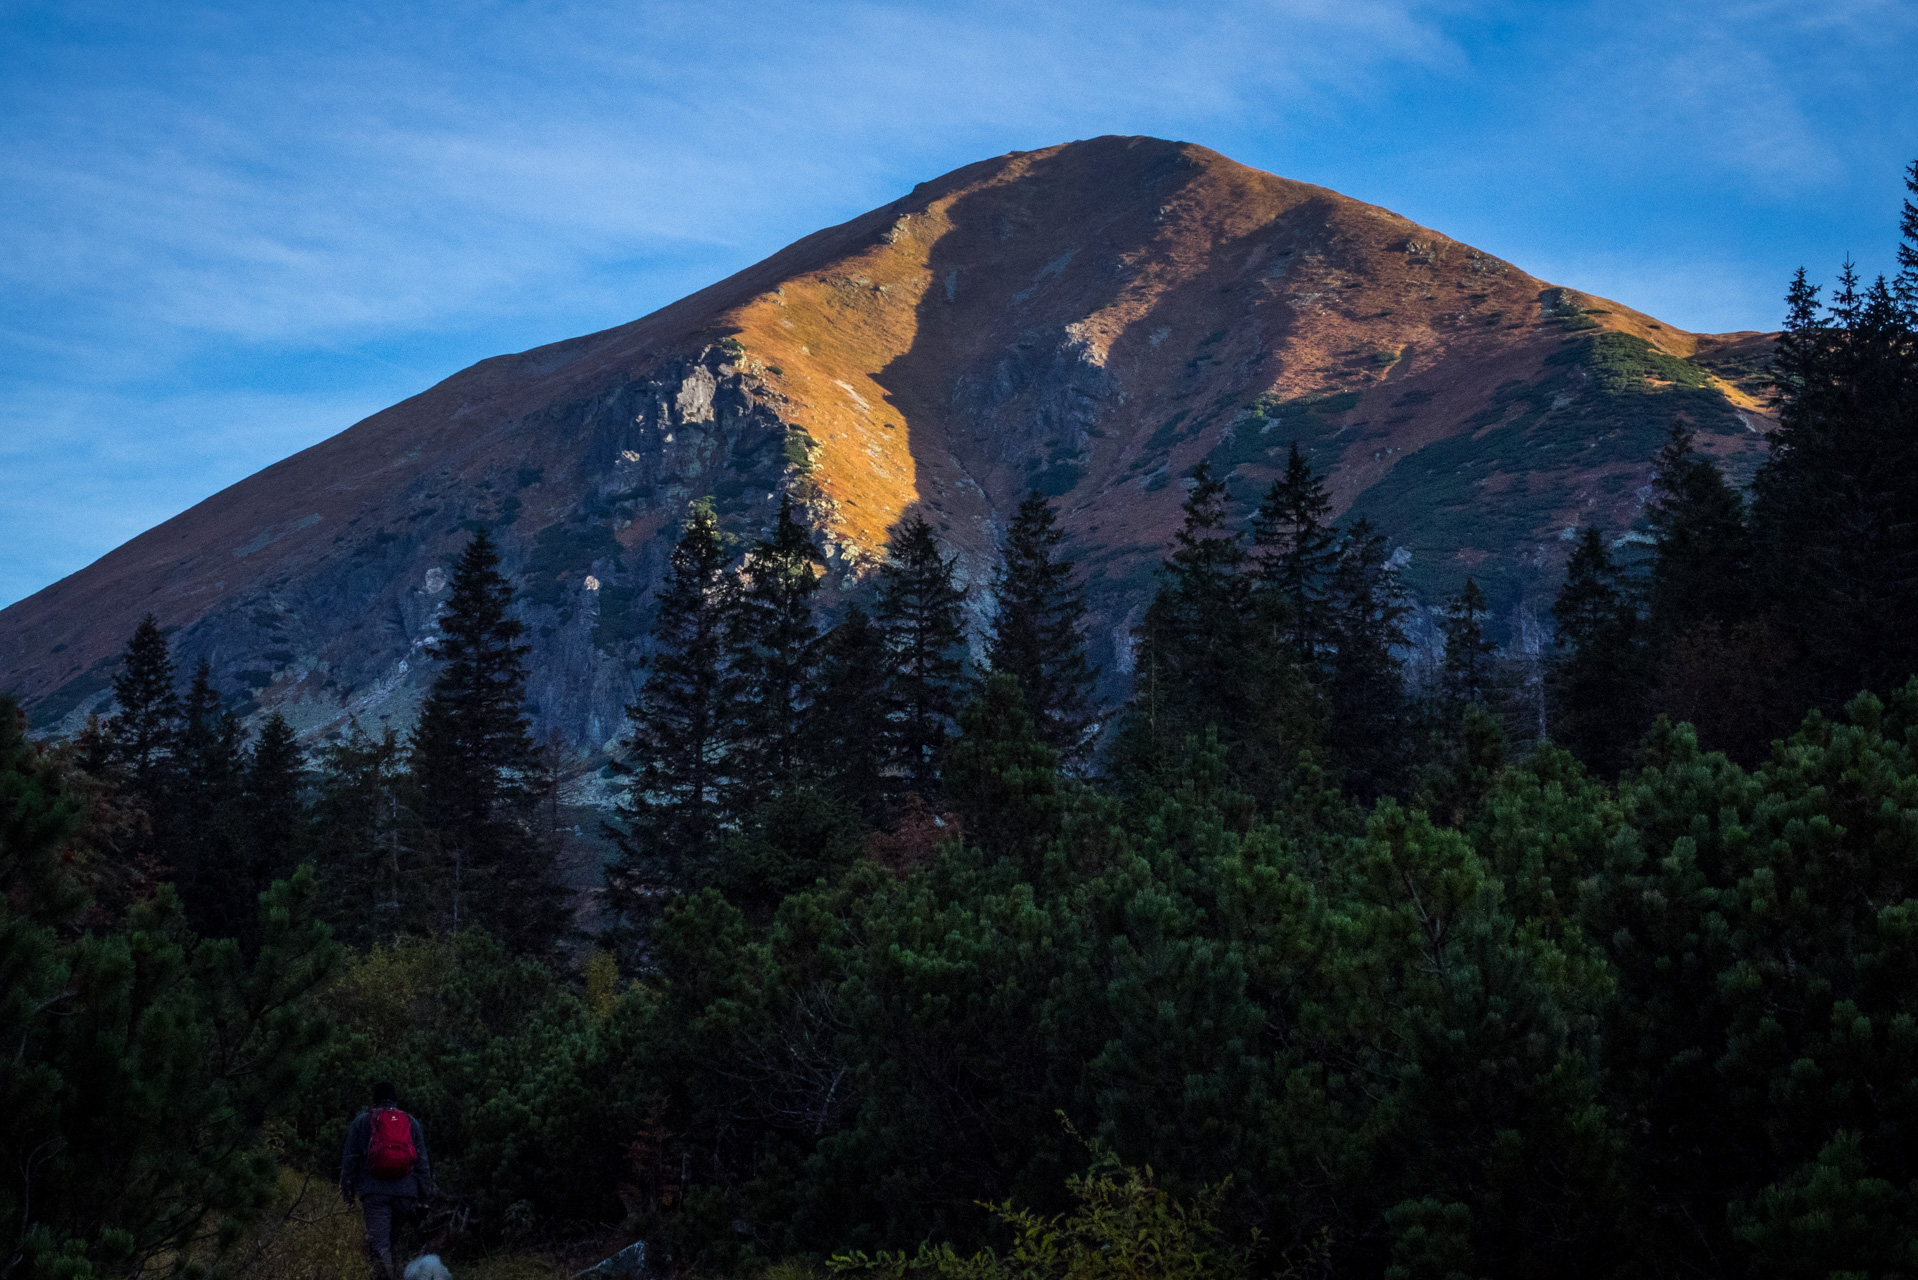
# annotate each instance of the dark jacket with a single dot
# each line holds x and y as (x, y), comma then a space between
(353, 1172)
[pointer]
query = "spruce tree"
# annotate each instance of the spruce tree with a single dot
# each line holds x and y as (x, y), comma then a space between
(1364, 680)
(1037, 634)
(1297, 553)
(377, 880)
(1205, 661)
(133, 750)
(144, 727)
(772, 647)
(1597, 677)
(1835, 506)
(921, 615)
(1714, 655)
(1470, 658)
(848, 724)
(1907, 281)
(202, 820)
(677, 759)
(473, 758)
(1699, 566)
(276, 804)
(1193, 642)
(1002, 777)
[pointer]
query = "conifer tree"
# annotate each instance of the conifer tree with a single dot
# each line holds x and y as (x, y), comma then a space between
(1715, 657)
(376, 878)
(202, 823)
(848, 723)
(920, 613)
(276, 805)
(1364, 682)
(207, 745)
(473, 757)
(1597, 674)
(1002, 777)
(1297, 550)
(772, 645)
(1699, 567)
(144, 726)
(1465, 767)
(1907, 281)
(1036, 635)
(1193, 642)
(677, 758)
(1835, 505)
(1205, 660)
(1470, 658)
(132, 750)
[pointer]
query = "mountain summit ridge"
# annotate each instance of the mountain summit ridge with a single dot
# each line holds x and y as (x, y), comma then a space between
(1091, 319)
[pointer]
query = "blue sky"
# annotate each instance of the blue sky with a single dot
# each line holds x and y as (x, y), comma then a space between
(232, 230)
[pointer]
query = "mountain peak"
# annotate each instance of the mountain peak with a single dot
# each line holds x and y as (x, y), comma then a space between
(1089, 319)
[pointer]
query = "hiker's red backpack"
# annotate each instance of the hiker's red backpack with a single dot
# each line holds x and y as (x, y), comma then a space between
(389, 1147)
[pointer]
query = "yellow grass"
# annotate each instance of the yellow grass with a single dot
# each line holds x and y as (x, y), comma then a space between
(313, 1235)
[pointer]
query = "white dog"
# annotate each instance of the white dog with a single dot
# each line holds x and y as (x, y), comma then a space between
(427, 1267)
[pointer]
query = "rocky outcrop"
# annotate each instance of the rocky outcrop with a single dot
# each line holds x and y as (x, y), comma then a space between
(583, 496)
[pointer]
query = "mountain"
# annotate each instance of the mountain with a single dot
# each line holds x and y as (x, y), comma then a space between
(1090, 319)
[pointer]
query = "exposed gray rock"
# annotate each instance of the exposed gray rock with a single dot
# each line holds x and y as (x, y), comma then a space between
(629, 1263)
(353, 640)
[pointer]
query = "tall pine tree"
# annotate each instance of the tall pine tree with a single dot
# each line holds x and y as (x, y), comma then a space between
(847, 724)
(1364, 679)
(376, 877)
(133, 750)
(1699, 565)
(473, 758)
(1835, 505)
(1205, 660)
(1037, 634)
(921, 614)
(276, 801)
(144, 727)
(677, 756)
(1715, 657)
(1597, 679)
(1297, 553)
(1470, 658)
(772, 644)
(203, 819)
(1192, 645)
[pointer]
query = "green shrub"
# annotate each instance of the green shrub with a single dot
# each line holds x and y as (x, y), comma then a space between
(1124, 1228)
(800, 448)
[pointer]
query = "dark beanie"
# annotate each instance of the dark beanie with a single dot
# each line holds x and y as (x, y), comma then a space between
(384, 1092)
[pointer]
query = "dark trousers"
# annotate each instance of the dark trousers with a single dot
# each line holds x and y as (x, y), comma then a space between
(384, 1216)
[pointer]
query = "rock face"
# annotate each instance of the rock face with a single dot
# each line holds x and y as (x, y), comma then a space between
(1090, 320)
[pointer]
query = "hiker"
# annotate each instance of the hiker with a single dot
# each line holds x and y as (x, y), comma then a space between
(385, 1168)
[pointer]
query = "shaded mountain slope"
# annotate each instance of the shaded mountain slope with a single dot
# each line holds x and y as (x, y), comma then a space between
(1090, 319)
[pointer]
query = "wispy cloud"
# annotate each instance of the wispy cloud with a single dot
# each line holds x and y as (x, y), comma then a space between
(326, 191)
